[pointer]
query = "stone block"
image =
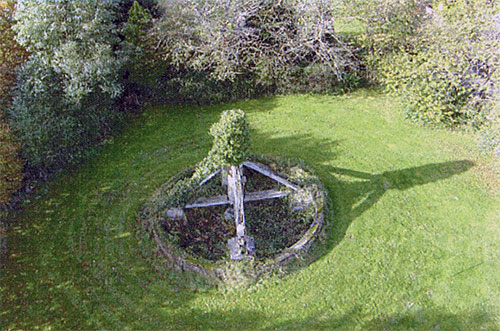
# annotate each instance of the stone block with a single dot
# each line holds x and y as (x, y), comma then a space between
(175, 213)
(234, 249)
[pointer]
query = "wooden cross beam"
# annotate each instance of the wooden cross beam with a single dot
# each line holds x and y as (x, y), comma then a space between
(242, 245)
(224, 200)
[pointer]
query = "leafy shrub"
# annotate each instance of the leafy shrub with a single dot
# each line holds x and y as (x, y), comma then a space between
(53, 130)
(450, 76)
(66, 90)
(392, 25)
(387, 27)
(230, 145)
(440, 56)
(80, 49)
(270, 43)
(231, 138)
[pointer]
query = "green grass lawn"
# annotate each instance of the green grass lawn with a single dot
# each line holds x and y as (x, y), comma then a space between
(413, 240)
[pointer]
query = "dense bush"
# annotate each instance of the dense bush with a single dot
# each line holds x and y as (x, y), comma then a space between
(65, 92)
(276, 45)
(53, 129)
(440, 56)
(385, 28)
(450, 75)
(392, 25)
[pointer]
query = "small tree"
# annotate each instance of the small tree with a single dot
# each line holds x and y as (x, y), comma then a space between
(66, 90)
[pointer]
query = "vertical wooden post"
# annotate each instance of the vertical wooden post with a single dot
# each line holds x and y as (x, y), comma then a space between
(236, 195)
(236, 186)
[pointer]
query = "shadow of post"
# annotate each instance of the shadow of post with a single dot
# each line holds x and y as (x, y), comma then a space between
(422, 319)
(367, 189)
(351, 192)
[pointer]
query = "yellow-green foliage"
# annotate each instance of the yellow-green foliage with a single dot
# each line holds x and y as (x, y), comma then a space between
(231, 137)
(11, 166)
(230, 145)
(450, 74)
(11, 53)
(11, 56)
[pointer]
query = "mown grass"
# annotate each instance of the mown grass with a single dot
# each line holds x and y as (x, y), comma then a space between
(413, 242)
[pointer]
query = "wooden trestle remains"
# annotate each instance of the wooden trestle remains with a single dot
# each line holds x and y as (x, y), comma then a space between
(241, 246)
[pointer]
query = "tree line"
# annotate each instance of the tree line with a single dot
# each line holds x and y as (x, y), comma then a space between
(73, 72)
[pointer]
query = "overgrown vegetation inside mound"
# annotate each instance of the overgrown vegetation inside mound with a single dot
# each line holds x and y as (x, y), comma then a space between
(274, 224)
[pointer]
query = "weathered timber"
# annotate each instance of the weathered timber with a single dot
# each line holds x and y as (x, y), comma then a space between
(234, 249)
(224, 177)
(263, 195)
(235, 186)
(237, 245)
(242, 245)
(269, 173)
(209, 202)
(224, 200)
(212, 175)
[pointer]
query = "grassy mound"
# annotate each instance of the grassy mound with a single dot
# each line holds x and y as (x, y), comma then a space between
(415, 242)
(283, 229)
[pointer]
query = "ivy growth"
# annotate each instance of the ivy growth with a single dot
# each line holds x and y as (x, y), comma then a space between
(231, 138)
(230, 147)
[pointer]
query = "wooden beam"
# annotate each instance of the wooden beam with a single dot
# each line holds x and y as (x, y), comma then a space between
(249, 197)
(264, 195)
(235, 184)
(210, 177)
(269, 173)
(209, 202)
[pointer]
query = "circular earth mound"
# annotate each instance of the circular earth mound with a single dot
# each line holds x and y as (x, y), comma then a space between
(196, 238)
